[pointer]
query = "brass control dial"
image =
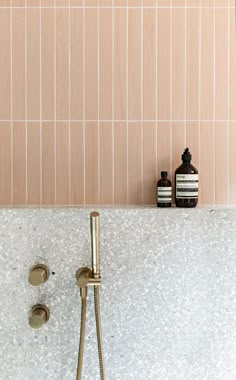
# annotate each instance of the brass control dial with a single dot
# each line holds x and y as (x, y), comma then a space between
(38, 274)
(39, 315)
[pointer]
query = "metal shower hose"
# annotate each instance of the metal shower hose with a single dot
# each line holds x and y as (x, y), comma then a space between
(99, 335)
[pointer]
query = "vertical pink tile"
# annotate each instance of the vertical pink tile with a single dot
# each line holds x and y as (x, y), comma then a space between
(207, 64)
(106, 163)
(5, 167)
(62, 163)
(164, 3)
(232, 160)
(221, 65)
(92, 3)
(18, 64)
(178, 64)
(5, 65)
(193, 143)
(120, 163)
(163, 148)
(77, 162)
(120, 65)
(221, 162)
(120, 3)
(78, 3)
(19, 163)
(149, 163)
(149, 64)
(91, 163)
(91, 64)
(62, 63)
(135, 3)
(4, 3)
(33, 63)
(18, 3)
(207, 172)
(105, 3)
(163, 64)
(178, 145)
(47, 3)
(33, 163)
(47, 36)
(192, 64)
(76, 65)
(178, 3)
(232, 59)
(105, 64)
(134, 73)
(48, 163)
(134, 164)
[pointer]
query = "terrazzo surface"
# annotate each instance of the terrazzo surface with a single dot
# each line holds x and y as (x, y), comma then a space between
(168, 295)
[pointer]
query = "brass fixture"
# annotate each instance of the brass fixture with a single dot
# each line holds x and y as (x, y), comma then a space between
(91, 277)
(38, 274)
(39, 315)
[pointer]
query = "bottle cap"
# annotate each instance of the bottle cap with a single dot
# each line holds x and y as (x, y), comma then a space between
(164, 174)
(186, 156)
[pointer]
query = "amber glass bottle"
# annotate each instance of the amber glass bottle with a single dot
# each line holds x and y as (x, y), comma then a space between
(164, 191)
(186, 182)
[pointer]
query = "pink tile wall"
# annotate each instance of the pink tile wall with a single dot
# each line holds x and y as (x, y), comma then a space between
(98, 96)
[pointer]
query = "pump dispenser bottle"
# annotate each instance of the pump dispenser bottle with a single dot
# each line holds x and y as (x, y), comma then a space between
(186, 182)
(164, 191)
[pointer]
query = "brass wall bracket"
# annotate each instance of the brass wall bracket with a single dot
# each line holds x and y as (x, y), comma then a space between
(84, 278)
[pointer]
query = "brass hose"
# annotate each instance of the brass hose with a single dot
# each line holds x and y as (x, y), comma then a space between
(82, 339)
(99, 332)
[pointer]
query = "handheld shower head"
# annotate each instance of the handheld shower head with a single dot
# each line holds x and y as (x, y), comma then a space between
(94, 225)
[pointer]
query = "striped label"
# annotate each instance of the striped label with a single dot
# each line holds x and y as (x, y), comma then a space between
(186, 186)
(164, 194)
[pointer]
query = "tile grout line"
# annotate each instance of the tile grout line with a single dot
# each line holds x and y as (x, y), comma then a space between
(229, 40)
(55, 104)
(171, 84)
(156, 85)
(113, 101)
(185, 71)
(26, 104)
(69, 101)
(214, 103)
(127, 103)
(98, 105)
(40, 104)
(199, 86)
(118, 121)
(11, 85)
(142, 110)
(120, 7)
(84, 104)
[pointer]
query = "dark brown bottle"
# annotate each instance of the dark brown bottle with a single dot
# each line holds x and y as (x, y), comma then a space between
(186, 182)
(164, 191)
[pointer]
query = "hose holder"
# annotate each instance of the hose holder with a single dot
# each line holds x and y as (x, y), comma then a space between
(84, 278)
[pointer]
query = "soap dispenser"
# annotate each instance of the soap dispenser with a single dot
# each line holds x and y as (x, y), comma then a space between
(164, 191)
(186, 182)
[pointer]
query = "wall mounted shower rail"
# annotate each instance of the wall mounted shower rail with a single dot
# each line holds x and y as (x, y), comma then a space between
(91, 277)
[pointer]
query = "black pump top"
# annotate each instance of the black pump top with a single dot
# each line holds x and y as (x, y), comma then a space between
(186, 156)
(164, 174)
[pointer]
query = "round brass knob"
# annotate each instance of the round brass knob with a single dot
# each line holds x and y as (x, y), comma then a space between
(38, 274)
(39, 315)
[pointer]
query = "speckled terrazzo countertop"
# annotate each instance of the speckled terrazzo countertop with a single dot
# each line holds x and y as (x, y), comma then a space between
(168, 296)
